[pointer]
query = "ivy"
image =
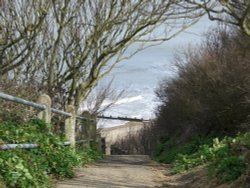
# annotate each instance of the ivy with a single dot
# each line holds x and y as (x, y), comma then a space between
(35, 168)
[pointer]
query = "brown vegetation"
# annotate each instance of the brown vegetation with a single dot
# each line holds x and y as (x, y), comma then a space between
(209, 95)
(141, 141)
(13, 111)
(211, 92)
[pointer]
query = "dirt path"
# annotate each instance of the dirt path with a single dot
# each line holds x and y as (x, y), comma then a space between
(116, 171)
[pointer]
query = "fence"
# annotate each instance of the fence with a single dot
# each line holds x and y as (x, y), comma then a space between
(44, 105)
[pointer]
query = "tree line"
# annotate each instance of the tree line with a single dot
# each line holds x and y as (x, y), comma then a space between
(65, 47)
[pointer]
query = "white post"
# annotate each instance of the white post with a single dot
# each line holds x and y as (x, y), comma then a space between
(107, 148)
(45, 114)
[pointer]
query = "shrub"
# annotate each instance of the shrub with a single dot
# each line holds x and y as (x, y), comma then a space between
(227, 159)
(211, 90)
(19, 171)
(24, 168)
(228, 168)
(13, 111)
(170, 150)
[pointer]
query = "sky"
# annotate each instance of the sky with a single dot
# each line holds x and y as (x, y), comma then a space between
(140, 75)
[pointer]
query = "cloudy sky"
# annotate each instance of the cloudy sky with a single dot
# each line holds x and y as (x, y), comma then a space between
(140, 75)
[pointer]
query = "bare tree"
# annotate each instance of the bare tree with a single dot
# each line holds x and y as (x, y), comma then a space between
(235, 12)
(20, 26)
(68, 45)
(102, 98)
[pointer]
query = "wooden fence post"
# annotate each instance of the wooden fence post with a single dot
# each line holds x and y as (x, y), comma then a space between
(86, 128)
(70, 125)
(45, 114)
(107, 148)
(90, 129)
(93, 133)
(99, 142)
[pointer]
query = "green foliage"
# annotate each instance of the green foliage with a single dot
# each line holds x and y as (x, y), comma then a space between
(228, 168)
(2, 184)
(89, 155)
(227, 159)
(24, 168)
(202, 156)
(160, 155)
(243, 140)
(168, 151)
(18, 171)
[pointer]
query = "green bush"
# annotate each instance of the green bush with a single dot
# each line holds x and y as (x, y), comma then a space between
(19, 171)
(160, 153)
(227, 159)
(89, 155)
(228, 168)
(168, 151)
(22, 168)
(202, 156)
(232, 161)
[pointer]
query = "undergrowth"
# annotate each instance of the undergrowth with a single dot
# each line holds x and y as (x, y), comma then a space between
(168, 150)
(226, 159)
(23, 168)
